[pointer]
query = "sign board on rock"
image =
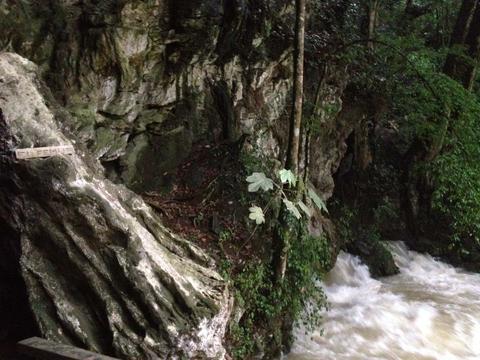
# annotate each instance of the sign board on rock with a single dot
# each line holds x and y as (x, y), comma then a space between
(40, 152)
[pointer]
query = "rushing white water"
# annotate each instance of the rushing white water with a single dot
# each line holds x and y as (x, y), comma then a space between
(429, 311)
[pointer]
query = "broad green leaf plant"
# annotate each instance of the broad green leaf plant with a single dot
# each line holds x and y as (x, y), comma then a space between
(257, 215)
(259, 181)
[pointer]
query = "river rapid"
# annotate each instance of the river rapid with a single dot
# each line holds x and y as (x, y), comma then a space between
(430, 311)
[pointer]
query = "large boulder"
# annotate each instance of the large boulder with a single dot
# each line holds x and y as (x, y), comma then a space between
(99, 269)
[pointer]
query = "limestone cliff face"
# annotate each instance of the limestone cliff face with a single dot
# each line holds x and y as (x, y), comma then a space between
(100, 270)
(146, 79)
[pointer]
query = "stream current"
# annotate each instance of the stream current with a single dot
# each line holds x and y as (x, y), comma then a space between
(430, 311)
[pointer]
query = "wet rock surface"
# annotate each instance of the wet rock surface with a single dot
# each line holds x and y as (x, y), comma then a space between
(100, 270)
(147, 79)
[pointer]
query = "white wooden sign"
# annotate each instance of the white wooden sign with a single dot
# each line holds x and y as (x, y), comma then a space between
(41, 152)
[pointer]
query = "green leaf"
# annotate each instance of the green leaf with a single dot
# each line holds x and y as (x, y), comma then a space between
(257, 215)
(287, 176)
(259, 181)
(316, 199)
(305, 208)
(292, 208)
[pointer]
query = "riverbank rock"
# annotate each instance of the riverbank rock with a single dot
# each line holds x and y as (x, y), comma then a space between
(376, 255)
(99, 269)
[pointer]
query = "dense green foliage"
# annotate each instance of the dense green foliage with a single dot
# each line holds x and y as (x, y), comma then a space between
(267, 309)
(265, 305)
(440, 112)
(428, 109)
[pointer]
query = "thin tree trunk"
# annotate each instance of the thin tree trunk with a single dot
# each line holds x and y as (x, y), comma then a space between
(473, 43)
(296, 117)
(372, 21)
(466, 33)
(283, 233)
(464, 21)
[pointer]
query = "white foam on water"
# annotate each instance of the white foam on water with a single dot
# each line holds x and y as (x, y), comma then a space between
(429, 311)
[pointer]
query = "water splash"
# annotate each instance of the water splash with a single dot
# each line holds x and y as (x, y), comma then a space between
(430, 311)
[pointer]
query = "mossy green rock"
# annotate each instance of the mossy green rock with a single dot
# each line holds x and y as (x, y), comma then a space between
(375, 254)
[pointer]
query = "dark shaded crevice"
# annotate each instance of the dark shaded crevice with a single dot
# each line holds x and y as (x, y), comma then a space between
(16, 318)
(224, 105)
(110, 115)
